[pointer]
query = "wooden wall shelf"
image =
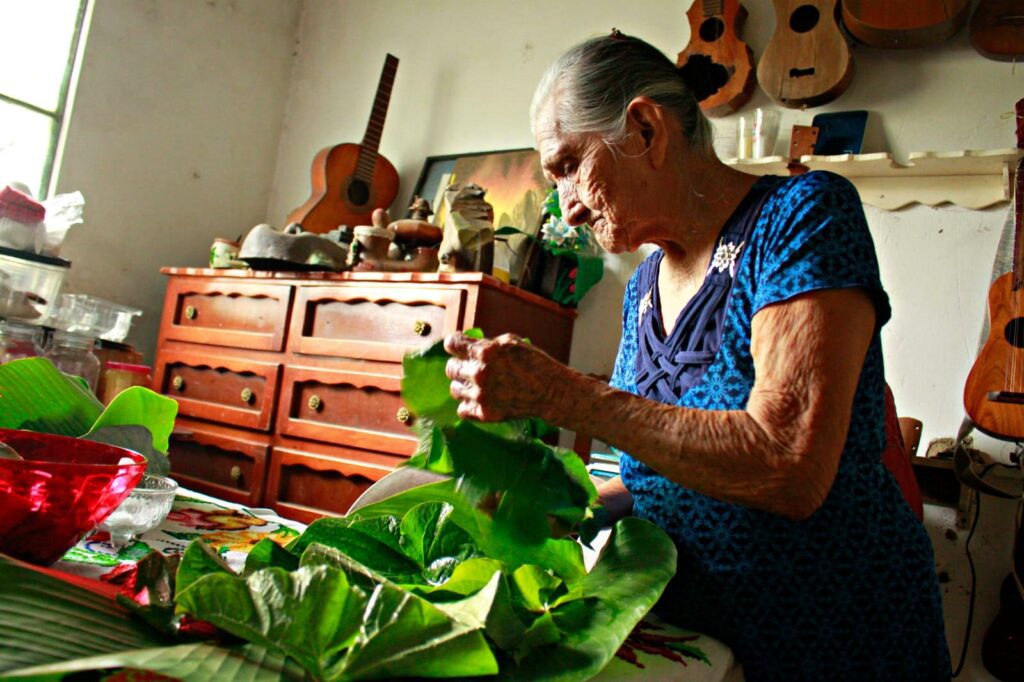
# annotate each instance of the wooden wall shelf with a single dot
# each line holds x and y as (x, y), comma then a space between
(968, 178)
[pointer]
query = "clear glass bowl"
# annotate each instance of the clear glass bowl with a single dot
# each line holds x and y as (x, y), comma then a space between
(144, 509)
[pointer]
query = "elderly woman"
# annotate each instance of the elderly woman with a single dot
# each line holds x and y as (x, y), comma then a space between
(748, 387)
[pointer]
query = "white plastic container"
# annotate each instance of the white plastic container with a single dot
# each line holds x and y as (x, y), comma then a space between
(83, 314)
(29, 284)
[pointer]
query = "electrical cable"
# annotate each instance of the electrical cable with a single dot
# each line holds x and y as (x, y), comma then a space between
(970, 563)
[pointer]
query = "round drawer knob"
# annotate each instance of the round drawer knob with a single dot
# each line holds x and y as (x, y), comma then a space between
(247, 395)
(236, 473)
(178, 383)
(421, 328)
(190, 312)
(314, 402)
(404, 415)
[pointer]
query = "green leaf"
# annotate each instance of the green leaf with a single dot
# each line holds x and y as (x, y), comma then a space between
(266, 554)
(373, 542)
(136, 438)
(198, 560)
(44, 620)
(311, 614)
(139, 406)
(629, 576)
(36, 396)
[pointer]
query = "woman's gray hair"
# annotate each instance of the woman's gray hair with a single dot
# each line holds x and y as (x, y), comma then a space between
(591, 85)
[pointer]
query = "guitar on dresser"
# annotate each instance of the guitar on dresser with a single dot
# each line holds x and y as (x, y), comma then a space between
(904, 23)
(997, 29)
(718, 66)
(351, 180)
(807, 61)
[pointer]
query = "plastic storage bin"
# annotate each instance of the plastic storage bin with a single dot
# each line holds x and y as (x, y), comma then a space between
(82, 314)
(29, 284)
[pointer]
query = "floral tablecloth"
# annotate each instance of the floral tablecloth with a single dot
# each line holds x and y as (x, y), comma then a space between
(654, 651)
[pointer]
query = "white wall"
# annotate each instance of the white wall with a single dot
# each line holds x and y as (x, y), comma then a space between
(177, 137)
(172, 139)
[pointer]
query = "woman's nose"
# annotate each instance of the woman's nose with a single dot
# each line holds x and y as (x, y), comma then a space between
(573, 210)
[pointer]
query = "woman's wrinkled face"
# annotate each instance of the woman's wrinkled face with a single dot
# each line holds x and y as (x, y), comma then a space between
(593, 182)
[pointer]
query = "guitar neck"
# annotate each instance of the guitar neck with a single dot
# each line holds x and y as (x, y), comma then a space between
(1018, 227)
(371, 139)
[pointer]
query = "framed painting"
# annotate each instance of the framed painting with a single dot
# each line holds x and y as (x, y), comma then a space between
(516, 189)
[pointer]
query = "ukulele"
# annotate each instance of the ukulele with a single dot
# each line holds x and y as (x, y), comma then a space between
(994, 392)
(904, 23)
(351, 180)
(718, 66)
(807, 62)
(997, 29)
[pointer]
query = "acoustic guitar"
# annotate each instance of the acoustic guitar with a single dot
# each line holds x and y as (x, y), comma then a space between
(351, 180)
(997, 29)
(718, 66)
(994, 392)
(807, 61)
(904, 23)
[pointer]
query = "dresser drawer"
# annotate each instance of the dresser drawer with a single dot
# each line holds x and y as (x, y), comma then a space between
(361, 409)
(237, 315)
(235, 391)
(228, 464)
(372, 323)
(305, 484)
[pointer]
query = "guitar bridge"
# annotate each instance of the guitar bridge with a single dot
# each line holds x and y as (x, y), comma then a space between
(1006, 397)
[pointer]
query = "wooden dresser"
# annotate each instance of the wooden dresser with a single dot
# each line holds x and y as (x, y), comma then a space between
(288, 385)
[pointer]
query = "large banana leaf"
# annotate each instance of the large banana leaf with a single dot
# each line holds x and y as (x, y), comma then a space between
(36, 396)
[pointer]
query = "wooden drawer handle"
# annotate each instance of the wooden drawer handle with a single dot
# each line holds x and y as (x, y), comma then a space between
(421, 328)
(191, 312)
(247, 395)
(236, 473)
(315, 403)
(404, 416)
(178, 383)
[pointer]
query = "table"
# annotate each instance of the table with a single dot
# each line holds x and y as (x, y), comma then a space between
(655, 651)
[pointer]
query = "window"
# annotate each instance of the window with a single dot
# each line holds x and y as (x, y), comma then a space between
(38, 45)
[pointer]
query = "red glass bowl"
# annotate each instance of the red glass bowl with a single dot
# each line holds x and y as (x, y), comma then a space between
(59, 492)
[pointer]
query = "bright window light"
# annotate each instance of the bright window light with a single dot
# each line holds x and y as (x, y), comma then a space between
(38, 45)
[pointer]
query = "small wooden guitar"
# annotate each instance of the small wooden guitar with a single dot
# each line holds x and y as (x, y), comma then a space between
(994, 392)
(718, 65)
(906, 23)
(351, 180)
(807, 62)
(997, 29)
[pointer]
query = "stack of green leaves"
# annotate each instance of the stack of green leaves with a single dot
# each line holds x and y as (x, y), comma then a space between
(432, 582)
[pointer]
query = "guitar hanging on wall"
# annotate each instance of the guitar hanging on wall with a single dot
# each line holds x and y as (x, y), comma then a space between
(906, 23)
(717, 65)
(994, 392)
(997, 29)
(807, 61)
(351, 180)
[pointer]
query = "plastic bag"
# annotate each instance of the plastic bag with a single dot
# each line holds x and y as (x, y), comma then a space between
(63, 211)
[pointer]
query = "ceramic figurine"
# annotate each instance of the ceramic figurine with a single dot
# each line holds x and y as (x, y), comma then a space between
(467, 244)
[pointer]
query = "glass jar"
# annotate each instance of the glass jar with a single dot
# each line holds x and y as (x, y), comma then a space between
(72, 354)
(117, 376)
(19, 340)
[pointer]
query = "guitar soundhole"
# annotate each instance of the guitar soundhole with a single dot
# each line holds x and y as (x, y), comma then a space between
(1014, 332)
(804, 18)
(712, 29)
(358, 192)
(704, 76)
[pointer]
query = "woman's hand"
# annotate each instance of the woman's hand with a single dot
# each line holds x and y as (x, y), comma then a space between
(501, 378)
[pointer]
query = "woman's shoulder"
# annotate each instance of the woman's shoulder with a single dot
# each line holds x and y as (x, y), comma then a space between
(815, 185)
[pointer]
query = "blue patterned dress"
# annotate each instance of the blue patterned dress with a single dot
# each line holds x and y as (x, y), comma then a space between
(850, 593)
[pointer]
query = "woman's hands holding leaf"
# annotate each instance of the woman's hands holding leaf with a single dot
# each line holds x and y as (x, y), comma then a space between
(502, 378)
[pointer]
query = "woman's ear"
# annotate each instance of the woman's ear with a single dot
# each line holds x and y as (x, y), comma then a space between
(646, 119)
